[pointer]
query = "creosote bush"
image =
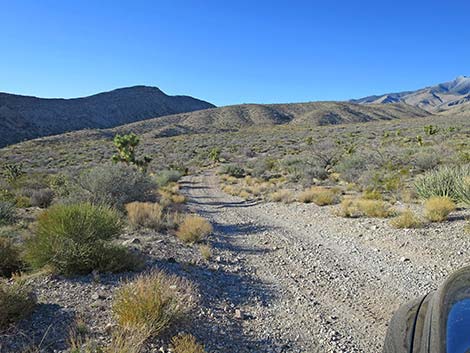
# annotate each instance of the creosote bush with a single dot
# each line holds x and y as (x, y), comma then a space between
(166, 177)
(153, 302)
(193, 229)
(406, 219)
(186, 343)
(233, 170)
(437, 209)
(10, 261)
(16, 302)
(113, 185)
(76, 239)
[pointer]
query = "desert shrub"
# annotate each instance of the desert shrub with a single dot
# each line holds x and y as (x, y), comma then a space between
(7, 213)
(233, 170)
(186, 343)
(114, 185)
(406, 219)
(193, 229)
(436, 209)
(351, 167)
(146, 214)
(262, 167)
(74, 239)
(9, 257)
(206, 251)
(374, 208)
(16, 302)
(351, 208)
(348, 208)
(372, 195)
(282, 195)
(423, 161)
(320, 196)
(152, 302)
(42, 198)
(166, 177)
(451, 182)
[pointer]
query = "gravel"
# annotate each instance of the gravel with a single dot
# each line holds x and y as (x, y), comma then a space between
(282, 278)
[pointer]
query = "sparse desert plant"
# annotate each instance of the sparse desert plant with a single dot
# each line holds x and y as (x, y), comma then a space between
(153, 302)
(406, 219)
(437, 209)
(462, 188)
(206, 251)
(282, 195)
(75, 239)
(146, 214)
(7, 213)
(186, 343)
(16, 302)
(165, 177)
(9, 257)
(126, 340)
(42, 198)
(233, 170)
(114, 185)
(193, 229)
(320, 196)
(372, 195)
(348, 208)
(374, 208)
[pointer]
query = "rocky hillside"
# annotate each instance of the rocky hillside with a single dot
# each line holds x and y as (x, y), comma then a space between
(441, 97)
(234, 117)
(23, 117)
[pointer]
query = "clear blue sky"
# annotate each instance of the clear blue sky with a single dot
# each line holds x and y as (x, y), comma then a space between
(232, 51)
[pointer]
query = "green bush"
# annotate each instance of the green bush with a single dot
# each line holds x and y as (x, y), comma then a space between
(7, 213)
(113, 185)
(233, 170)
(165, 177)
(16, 302)
(451, 182)
(9, 257)
(75, 239)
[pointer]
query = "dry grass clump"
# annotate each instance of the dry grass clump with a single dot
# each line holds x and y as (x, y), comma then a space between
(152, 302)
(193, 229)
(406, 219)
(146, 214)
(352, 208)
(437, 209)
(320, 196)
(186, 343)
(9, 257)
(16, 302)
(282, 195)
(372, 195)
(206, 251)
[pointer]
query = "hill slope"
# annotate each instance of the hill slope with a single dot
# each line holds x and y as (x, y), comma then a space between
(234, 117)
(23, 117)
(436, 98)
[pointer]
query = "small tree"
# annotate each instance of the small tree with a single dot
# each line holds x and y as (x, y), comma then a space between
(126, 145)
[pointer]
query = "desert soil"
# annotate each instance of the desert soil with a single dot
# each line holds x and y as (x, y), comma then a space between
(317, 282)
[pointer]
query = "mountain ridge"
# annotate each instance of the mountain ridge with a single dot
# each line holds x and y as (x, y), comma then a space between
(26, 117)
(437, 98)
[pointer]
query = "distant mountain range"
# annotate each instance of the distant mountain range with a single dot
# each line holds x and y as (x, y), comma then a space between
(234, 117)
(433, 99)
(145, 109)
(23, 117)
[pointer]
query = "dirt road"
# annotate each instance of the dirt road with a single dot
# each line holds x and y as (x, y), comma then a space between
(325, 284)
